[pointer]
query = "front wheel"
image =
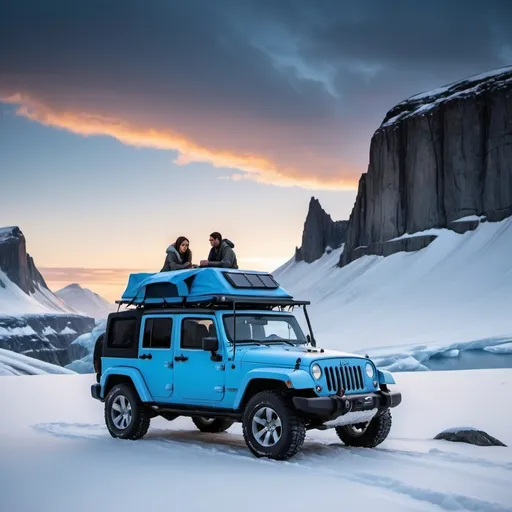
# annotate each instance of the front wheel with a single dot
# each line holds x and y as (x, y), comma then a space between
(212, 425)
(126, 416)
(271, 426)
(366, 435)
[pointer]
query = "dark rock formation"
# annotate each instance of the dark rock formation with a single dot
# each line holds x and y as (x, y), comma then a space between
(470, 436)
(320, 232)
(16, 263)
(436, 158)
(45, 336)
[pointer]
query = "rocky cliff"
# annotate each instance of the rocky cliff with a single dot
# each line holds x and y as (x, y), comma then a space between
(320, 232)
(33, 320)
(441, 159)
(16, 263)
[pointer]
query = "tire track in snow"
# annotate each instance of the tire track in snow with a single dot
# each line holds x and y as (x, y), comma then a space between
(232, 445)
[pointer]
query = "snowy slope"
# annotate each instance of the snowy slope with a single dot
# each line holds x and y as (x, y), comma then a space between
(57, 446)
(86, 301)
(12, 363)
(454, 294)
(15, 302)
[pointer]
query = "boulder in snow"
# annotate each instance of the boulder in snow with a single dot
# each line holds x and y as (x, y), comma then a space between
(469, 435)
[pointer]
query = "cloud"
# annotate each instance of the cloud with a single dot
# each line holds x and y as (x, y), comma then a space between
(286, 92)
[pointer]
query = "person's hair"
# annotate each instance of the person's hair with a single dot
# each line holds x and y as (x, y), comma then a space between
(179, 241)
(216, 235)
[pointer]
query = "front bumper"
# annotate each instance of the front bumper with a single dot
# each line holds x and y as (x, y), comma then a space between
(331, 407)
(95, 392)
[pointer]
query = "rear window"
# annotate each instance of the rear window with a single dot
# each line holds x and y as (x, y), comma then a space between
(122, 332)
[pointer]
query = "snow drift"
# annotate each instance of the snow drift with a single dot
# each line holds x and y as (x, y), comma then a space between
(406, 308)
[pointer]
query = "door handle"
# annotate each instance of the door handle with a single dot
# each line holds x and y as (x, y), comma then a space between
(146, 356)
(181, 358)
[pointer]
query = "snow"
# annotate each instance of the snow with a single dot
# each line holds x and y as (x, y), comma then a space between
(12, 363)
(422, 103)
(478, 218)
(67, 330)
(505, 348)
(453, 295)
(56, 445)
(86, 301)
(15, 302)
(87, 340)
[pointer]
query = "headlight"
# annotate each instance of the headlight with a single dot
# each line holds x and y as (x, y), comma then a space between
(316, 371)
(369, 370)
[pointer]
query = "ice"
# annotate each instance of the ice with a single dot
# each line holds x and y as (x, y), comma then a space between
(87, 340)
(12, 363)
(454, 295)
(56, 446)
(505, 348)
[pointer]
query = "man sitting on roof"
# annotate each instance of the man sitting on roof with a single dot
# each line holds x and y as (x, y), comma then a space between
(221, 253)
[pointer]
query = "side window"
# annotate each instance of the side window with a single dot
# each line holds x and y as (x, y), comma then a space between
(121, 333)
(193, 330)
(157, 333)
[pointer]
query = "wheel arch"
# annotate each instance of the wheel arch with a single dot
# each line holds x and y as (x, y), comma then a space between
(296, 383)
(126, 375)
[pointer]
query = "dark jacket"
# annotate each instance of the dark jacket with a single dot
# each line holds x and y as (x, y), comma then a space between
(223, 256)
(174, 260)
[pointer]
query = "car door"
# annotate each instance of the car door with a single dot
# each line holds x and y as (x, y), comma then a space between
(155, 355)
(198, 378)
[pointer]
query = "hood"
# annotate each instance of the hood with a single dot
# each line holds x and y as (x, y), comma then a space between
(228, 242)
(172, 249)
(286, 356)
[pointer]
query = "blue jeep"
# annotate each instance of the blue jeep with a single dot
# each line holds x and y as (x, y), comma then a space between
(223, 346)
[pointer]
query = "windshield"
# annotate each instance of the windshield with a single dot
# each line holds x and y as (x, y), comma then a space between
(264, 328)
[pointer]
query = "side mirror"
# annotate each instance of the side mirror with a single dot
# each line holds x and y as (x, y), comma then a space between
(311, 341)
(211, 344)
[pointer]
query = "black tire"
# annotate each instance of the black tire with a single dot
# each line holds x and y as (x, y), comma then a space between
(375, 433)
(140, 417)
(96, 357)
(212, 425)
(291, 433)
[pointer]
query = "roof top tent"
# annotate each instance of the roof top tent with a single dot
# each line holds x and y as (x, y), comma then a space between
(209, 287)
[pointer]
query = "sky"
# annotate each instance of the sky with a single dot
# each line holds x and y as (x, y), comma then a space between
(125, 124)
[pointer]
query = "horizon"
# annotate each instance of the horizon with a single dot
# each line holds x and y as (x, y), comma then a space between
(214, 118)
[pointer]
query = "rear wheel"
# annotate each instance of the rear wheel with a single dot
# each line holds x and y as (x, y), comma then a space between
(96, 356)
(126, 416)
(271, 426)
(212, 425)
(366, 435)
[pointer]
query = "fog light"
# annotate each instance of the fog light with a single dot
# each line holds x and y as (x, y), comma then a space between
(318, 389)
(375, 383)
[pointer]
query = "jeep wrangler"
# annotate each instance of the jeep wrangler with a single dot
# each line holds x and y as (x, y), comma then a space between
(223, 346)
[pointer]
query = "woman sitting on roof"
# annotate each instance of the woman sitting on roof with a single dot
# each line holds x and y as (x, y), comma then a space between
(179, 255)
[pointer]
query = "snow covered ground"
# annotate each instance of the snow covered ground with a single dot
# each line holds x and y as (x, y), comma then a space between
(12, 363)
(58, 456)
(411, 309)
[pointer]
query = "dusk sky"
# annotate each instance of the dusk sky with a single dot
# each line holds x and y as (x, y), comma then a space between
(124, 124)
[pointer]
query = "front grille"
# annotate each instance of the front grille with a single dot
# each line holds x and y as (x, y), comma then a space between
(348, 377)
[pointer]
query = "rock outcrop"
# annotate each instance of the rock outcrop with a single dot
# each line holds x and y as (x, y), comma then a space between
(49, 326)
(320, 232)
(16, 263)
(441, 159)
(469, 436)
